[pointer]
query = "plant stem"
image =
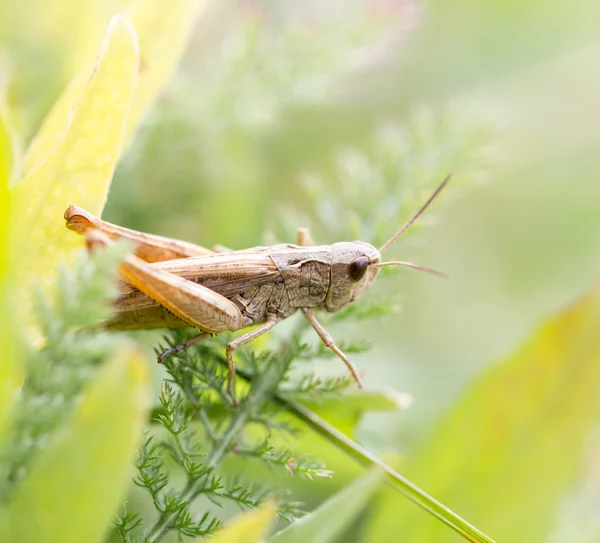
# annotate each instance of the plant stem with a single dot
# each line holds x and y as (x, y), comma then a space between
(263, 388)
(258, 394)
(368, 459)
(393, 478)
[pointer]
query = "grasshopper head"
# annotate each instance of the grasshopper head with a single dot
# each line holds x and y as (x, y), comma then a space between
(353, 269)
(356, 263)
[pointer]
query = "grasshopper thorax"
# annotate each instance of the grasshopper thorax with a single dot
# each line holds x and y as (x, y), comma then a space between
(353, 269)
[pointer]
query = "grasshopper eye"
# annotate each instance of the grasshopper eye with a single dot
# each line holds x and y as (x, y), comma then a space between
(358, 268)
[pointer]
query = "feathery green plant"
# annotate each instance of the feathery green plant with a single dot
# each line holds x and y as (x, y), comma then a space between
(73, 348)
(371, 191)
(202, 427)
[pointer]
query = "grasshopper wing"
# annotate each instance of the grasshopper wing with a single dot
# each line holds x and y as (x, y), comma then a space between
(225, 275)
(194, 304)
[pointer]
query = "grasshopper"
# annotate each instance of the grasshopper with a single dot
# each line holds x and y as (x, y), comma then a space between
(167, 283)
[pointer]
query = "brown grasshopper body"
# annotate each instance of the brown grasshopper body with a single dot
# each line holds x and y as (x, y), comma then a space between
(262, 282)
(168, 283)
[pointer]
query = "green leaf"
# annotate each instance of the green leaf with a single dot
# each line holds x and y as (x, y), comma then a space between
(10, 378)
(397, 481)
(345, 411)
(75, 487)
(330, 520)
(80, 159)
(511, 448)
(163, 29)
(251, 527)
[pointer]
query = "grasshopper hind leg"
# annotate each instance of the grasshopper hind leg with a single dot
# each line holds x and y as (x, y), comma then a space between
(149, 248)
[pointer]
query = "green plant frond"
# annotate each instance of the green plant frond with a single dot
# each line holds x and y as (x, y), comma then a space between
(372, 191)
(56, 375)
(125, 524)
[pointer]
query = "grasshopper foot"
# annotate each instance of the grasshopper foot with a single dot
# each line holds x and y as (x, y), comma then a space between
(231, 377)
(234, 401)
(181, 347)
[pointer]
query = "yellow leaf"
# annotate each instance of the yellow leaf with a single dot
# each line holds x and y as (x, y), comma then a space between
(80, 164)
(75, 487)
(163, 28)
(10, 379)
(7, 156)
(510, 451)
(251, 527)
(45, 42)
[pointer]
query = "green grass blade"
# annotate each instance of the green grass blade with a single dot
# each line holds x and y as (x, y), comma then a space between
(393, 478)
(80, 155)
(163, 28)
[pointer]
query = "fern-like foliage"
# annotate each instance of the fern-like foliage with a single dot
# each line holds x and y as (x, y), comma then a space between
(56, 374)
(371, 191)
(198, 427)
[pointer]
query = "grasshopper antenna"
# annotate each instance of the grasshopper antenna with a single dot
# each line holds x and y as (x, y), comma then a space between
(414, 218)
(413, 266)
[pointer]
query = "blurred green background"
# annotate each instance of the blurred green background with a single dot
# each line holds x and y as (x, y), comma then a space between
(344, 115)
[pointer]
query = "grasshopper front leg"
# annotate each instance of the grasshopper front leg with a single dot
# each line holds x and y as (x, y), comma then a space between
(230, 347)
(309, 314)
(239, 342)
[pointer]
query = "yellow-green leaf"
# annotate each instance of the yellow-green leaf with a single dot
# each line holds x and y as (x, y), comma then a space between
(251, 527)
(163, 28)
(511, 450)
(328, 522)
(80, 165)
(9, 376)
(77, 484)
(7, 157)
(45, 42)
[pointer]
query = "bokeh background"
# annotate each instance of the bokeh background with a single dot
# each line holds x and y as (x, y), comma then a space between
(343, 116)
